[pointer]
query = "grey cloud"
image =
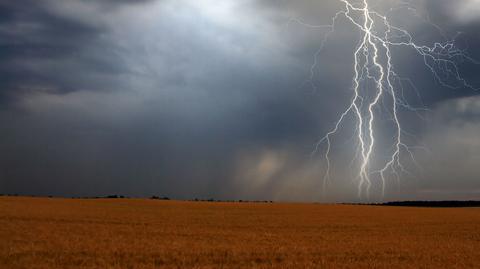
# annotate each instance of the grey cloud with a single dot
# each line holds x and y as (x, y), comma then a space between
(44, 50)
(464, 12)
(451, 161)
(180, 98)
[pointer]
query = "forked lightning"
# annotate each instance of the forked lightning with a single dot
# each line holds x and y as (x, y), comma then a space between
(374, 70)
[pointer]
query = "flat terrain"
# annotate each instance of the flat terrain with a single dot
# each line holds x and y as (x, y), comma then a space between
(128, 233)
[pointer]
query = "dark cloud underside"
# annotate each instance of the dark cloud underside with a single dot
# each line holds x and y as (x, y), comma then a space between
(202, 99)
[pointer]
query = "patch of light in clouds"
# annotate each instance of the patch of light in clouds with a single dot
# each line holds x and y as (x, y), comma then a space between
(467, 10)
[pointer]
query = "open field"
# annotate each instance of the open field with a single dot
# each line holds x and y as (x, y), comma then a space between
(128, 233)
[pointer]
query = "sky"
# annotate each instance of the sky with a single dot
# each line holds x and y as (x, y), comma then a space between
(215, 99)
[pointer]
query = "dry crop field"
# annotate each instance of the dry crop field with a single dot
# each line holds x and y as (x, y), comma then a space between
(129, 233)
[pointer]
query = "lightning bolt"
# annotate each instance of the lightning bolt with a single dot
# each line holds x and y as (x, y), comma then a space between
(373, 62)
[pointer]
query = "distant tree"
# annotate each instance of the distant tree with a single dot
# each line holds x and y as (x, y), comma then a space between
(154, 197)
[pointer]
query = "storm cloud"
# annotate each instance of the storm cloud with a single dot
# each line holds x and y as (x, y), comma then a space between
(207, 99)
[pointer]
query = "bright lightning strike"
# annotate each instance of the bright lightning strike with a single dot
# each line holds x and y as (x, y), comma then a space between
(374, 71)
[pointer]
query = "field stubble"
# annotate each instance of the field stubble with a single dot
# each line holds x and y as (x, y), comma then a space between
(130, 233)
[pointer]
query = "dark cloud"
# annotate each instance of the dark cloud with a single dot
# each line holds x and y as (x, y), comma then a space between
(186, 99)
(451, 165)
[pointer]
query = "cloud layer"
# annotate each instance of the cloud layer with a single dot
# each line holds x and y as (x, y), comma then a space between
(198, 99)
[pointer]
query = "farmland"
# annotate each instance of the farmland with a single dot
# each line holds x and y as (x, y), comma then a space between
(143, 233)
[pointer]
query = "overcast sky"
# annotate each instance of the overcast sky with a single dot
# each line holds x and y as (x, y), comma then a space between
(208, 99)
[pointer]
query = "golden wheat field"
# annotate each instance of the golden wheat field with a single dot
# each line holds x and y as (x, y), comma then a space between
(130, 233)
